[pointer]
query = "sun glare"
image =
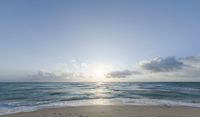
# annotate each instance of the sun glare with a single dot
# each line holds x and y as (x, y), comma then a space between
(99, 71)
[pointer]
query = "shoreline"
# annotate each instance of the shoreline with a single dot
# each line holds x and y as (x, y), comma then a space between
(112, 111)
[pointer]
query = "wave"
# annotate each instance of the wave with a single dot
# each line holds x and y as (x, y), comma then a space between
(8, 109)
(23, 97)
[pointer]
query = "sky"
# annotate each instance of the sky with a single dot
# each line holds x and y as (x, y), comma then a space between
(99, 40)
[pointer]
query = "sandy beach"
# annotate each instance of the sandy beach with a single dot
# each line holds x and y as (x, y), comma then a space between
(112, 111)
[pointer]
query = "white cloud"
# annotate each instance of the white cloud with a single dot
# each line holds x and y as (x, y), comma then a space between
(44, 76)
(83, 64)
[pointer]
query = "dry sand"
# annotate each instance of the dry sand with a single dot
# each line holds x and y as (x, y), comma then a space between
(113, 111)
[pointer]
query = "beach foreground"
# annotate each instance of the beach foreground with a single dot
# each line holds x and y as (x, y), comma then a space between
(112, 111)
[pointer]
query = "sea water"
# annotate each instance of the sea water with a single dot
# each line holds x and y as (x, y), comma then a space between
(21, 97)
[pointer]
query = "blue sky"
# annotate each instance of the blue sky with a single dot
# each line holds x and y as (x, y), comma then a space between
(42, 34)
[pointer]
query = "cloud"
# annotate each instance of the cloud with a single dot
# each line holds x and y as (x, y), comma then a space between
(162, 69)
(162, 64)
(83, 64)
(193, 61)
(121, 74)
(44, 76)
(191, 58)
(78, 64)
(158, 69)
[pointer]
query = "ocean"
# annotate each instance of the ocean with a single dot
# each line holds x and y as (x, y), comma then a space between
(23, 97)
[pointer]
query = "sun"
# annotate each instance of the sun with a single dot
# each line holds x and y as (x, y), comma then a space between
(99, 71)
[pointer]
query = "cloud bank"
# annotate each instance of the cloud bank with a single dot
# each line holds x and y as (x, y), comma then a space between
(163, 69)
(157, 69)
(162, 64)
(44, 76)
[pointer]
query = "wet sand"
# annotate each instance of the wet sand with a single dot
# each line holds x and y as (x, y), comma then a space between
(112, 111)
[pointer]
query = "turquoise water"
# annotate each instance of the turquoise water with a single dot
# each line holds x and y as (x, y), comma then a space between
(18, 97)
